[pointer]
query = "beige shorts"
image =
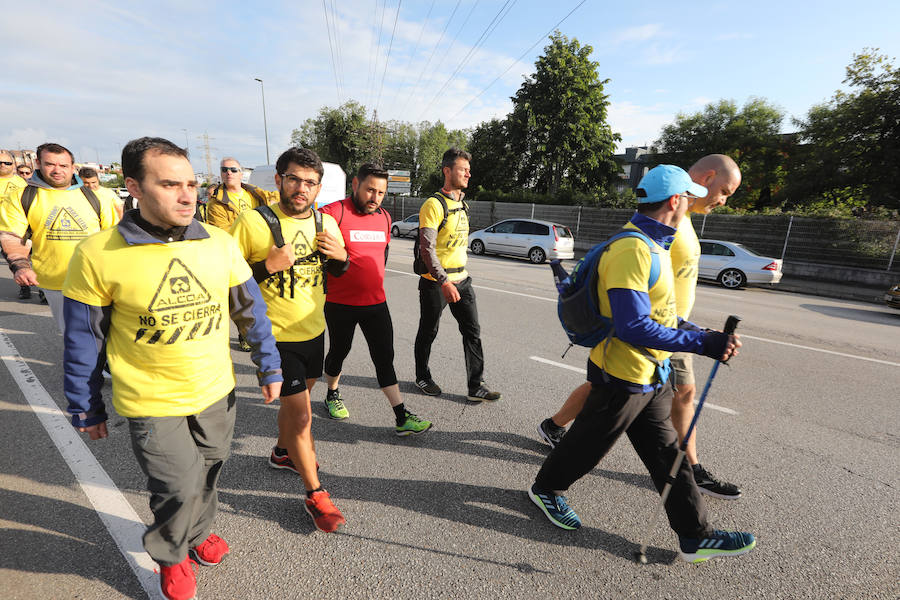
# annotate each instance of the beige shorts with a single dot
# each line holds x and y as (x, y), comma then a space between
(683, 365)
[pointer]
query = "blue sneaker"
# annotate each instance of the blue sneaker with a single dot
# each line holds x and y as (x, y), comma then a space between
(718, 543)
(555, 507)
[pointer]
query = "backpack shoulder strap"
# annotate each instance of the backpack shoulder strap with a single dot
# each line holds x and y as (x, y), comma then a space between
(317, 217)
(28, 196)
(254, 192)
(443, 201)
(272, 221)
(651, 245)
(92, 198)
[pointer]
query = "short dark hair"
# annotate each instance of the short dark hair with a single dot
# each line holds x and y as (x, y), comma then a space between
(54, 149)
(646, 208)
(87, 173)
(302, 157)
(134, 151)
(371, 170)
(450, 156)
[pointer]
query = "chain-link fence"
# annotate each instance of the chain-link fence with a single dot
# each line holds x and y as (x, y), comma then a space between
(843, 242)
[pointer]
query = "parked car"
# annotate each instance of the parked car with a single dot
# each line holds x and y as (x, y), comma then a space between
(892, 297)
(406, 227)
(536, 240)
(735, 265)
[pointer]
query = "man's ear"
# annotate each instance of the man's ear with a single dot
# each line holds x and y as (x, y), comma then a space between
(133, 187)
(354, 184)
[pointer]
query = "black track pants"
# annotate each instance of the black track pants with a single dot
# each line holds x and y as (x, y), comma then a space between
(375, 322)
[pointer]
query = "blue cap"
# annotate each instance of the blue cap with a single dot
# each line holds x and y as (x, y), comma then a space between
(664, 181)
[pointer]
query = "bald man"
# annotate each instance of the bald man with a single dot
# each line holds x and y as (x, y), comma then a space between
(721, 176)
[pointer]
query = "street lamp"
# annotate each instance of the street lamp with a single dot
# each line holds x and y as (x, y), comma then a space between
(187, 144)
(262, 89)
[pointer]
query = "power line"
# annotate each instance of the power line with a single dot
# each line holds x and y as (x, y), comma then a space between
(428, 62)
(540, 39)
(371, 91)
(337, 49)
(478, 43)
(371, 53)
(388, 57)
(409, 62)
(337, 84)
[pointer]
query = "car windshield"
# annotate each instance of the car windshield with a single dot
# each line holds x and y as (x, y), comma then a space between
(749, 250)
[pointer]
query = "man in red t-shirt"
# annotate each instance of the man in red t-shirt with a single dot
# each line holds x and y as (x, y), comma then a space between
(357, 297)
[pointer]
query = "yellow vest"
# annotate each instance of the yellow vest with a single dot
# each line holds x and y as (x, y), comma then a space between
(452, 239)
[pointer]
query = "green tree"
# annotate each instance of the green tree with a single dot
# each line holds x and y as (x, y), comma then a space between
(339, 135)
(750, 135)
(434, 140)
(493, 162)
(852, 153)
(558, 127)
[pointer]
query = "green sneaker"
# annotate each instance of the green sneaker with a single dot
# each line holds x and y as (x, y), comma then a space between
(335, 405)
(413, 425)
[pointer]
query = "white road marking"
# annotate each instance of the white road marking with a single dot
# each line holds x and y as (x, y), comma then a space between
(483, 287)
(120, 519)
(844, 354)
(546, 361)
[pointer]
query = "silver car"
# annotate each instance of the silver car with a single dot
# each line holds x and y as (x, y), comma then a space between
(536, 240)
(735, 265)
(406, 227)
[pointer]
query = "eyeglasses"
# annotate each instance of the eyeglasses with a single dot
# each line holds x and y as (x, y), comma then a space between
(25, 171)
(232, 169)
(6, 163)
(297, 182)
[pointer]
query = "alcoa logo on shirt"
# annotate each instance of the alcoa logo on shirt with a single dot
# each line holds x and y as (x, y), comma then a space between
(367, 236)
(181, 309)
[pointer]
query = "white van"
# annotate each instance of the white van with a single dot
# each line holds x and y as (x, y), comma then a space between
(334, 182)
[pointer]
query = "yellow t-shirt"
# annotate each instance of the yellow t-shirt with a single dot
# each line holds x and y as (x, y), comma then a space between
(167, 344)
(453, 239)
(11, 186)
(59, 220)
(295, 298)
(626, 265)
(685, 251)
(223, 216)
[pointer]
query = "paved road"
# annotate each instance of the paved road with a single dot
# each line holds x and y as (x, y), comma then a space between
(806, 421)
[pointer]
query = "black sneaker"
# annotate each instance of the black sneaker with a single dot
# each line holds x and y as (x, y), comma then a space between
(711, 486)
(428, 387)
(550, 432)
(24, 292)
(243, 344)
(483, 393)
(42, 296)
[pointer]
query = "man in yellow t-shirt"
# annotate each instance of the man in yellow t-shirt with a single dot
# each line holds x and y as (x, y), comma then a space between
(721, 176)
(156, 291)
(230, 199)
(91, 180)
(60, 215)
(631, 391)
(443, 240)
(293, 278)
(11, 182)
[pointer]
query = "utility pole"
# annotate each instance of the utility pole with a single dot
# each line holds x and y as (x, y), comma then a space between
(187, 144)
(262, 89)
(209, 168)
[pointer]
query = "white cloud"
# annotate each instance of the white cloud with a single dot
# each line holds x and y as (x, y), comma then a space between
(639, 125)
(641, 33)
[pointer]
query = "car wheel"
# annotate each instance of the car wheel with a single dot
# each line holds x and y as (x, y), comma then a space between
(537, 255)
(477, 247)
(732, 279)
(395, 231)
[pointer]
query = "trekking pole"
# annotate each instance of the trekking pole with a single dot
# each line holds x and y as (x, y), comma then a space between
(639, 555)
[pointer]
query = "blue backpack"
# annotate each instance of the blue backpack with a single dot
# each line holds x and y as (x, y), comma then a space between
(579, 305)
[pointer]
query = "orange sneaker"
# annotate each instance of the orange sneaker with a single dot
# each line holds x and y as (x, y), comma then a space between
(210, 552)
(325, 514)
(178, 582)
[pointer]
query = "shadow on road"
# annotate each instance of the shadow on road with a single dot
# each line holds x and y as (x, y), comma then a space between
(881, 317)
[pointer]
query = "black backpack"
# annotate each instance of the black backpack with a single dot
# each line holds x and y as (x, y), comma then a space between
(274, 224)
(419, 266)
(30, 193)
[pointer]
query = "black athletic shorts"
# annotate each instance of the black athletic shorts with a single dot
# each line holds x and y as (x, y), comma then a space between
(301, 361)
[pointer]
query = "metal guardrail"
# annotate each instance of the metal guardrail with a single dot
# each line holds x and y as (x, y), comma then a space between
(842, 242)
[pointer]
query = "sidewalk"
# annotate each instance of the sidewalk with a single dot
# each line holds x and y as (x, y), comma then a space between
(831, 289)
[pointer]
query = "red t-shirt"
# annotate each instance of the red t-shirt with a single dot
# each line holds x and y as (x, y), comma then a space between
(366, 238)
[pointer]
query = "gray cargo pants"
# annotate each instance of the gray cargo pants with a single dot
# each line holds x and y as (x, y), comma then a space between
(182, 458)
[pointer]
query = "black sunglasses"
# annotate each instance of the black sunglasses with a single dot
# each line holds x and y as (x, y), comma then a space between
(226, 169)
(5, 162)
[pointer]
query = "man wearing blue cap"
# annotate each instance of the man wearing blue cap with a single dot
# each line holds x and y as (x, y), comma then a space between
(629, 373)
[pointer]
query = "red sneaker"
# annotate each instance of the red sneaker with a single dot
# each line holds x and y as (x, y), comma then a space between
(210, 552)
(283, 461)
(325, 514)
(178, 582)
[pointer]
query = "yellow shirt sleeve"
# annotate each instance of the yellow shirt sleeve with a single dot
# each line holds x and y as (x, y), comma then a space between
(218, 215)
(82, 283)
(632, 260)
(12, 217)
(240, 270)
(431, 214)
(330, 225)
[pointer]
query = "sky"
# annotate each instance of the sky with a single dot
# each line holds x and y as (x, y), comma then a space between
(93, 75)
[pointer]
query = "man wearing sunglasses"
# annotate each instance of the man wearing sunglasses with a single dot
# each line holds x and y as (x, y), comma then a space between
(11, 183)
(24, 171)
(60, 213)
(233, 197)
